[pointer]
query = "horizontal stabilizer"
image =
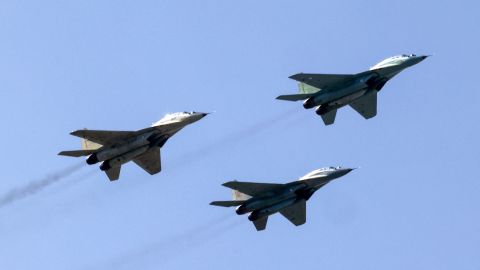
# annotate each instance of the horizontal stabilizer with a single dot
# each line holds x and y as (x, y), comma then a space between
(296, 213)
(366, 105)
(113, 173)
(329, 117)
(77, 153)
(295, 97)
(150, 161)
(227, 203)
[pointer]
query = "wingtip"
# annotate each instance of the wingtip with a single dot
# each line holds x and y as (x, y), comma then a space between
(227, 184)
(78, 132)
(294, 76)
(75, 133)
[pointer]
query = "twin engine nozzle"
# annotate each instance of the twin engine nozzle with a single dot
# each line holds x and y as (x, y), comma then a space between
(309, 103)
(92, 159)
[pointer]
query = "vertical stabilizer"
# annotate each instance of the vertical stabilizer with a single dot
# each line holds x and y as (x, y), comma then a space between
(89, 145)
(239, 196)
(306, 89)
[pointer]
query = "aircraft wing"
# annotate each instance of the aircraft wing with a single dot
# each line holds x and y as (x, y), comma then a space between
(321, 80)
(150, 161)
(261, 223)
(296, 213)
(103, 137)
(366, 105)
(252, 189)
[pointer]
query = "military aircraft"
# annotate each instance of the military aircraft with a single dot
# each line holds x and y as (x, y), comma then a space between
(329, 92)
(114, 148)
(264, 199)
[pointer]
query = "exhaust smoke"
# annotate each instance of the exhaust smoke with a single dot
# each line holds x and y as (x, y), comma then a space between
(36, 186)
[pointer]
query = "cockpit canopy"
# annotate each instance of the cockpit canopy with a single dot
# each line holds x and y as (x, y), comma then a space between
(173, 116)
(331, 168)
(392, 61)
(320, 171)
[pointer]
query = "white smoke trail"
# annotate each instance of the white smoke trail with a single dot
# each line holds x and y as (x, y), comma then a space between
(177, 245)
(36, 186)
(233, 137)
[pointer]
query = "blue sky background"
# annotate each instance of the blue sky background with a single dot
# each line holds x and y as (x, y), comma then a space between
(65, 65)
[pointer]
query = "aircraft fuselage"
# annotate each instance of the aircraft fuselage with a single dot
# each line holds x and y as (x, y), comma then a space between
(337, 96)
(122, 152)
(290, 194)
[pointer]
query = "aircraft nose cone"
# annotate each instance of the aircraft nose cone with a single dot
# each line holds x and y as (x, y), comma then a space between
(347, 170)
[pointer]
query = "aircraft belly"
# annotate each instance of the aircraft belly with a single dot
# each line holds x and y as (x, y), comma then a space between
(262, 203)
(131, 145)
(347, 99)
(126, 157)
(271, 209)
(332, 96)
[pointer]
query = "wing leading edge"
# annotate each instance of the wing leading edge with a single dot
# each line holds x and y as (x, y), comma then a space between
(252, 189)
(103, 137)
(321, 81)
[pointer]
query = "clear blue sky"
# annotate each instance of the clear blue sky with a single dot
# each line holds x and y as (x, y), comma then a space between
(65, 65)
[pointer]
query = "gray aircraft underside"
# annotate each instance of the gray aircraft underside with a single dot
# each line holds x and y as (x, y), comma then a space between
(329, 92)
(114, 148)
(264, 199)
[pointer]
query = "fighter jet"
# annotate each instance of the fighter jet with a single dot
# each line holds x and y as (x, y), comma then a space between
(329, 92)
(264, 199)
(114, 148)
